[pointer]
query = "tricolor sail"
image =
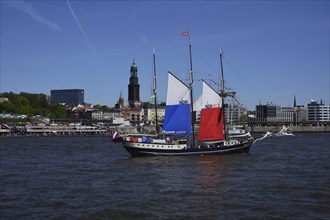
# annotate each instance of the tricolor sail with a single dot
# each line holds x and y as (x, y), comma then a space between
(177, 112)
(211, 123)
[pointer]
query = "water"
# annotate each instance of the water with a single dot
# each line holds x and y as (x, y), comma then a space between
(92, 178)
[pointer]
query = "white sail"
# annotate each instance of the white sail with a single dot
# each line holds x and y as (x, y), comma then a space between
(210, 98)
(198, 104)
(177, 91)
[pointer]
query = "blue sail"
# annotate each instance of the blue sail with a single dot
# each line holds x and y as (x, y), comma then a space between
(177, 120)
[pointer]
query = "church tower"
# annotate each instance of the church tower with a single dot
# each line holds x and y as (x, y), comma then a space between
(120, 105)
(134, 87)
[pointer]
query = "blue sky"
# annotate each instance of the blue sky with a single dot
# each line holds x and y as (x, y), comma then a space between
(273, 50)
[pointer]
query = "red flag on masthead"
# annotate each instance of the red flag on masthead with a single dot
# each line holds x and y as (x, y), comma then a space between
(185, 33)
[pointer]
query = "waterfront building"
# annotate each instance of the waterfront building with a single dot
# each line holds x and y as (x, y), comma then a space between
(265, 113)
(81, 111)
(150, 113)
(136, 115)
(318, 112)
(234, 113)
(302, 115)
(105, 115)
(286, 114)
(68, 96)
(120, 122)
(271, 113)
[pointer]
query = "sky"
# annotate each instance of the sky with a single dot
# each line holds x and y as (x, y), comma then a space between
(273, 50)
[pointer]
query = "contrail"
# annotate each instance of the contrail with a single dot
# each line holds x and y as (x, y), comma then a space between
(28, 9)
(80, 27)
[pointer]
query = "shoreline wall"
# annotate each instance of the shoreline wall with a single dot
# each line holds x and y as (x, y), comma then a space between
(294, 129)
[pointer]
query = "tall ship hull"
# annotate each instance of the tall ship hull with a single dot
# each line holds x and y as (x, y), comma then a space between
(137, 149)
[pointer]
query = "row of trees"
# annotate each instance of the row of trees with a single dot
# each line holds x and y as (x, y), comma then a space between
(31, 104)
(37, 104)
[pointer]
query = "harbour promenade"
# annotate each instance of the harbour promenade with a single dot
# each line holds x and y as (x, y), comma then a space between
(64, 130)
(53, 131)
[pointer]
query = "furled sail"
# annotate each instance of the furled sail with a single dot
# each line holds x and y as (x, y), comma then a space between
(177, 112)
(211, 123)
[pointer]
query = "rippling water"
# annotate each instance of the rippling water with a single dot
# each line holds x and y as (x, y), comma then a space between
(92, 178)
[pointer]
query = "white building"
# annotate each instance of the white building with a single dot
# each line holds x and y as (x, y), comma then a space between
(120, 122)
(150, 114)
(286, 114)
(318, 112)
(102, 115)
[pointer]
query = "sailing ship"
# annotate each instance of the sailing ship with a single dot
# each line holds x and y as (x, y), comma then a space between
(178, 136)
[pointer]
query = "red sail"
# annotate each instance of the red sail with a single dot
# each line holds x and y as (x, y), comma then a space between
(211, 125)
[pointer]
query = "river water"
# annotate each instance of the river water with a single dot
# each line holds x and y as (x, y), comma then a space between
(92, 178)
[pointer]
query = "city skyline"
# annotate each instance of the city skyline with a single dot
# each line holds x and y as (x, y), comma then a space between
(273, 51)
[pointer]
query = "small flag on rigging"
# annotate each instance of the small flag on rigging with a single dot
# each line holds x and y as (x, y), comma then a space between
(185, 33)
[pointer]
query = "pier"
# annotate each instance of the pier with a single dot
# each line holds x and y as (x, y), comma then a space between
(294, 129)
(89, 130)
(52, 131)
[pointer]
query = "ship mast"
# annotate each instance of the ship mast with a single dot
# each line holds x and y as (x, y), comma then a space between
(191, 95)
(155, 91)
(223, 94)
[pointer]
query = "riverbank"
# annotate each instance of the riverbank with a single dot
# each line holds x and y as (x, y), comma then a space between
(66, 131)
